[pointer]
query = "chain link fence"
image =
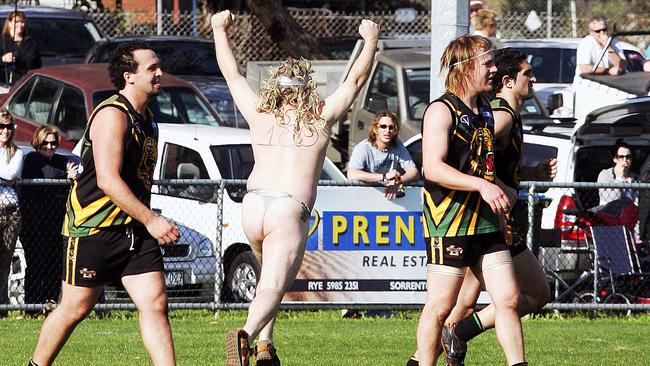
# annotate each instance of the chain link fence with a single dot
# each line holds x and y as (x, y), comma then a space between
(590, 238)
(253, 43)
(593, 244)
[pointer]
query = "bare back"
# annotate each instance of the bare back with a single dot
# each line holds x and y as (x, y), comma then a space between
(280, 164)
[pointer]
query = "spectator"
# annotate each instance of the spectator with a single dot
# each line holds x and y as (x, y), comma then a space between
(619, 173)
(20, 52)
(11, 163)
(43, 208)
(382, 157)
(591, 47)
(484, 23)
(474, 6)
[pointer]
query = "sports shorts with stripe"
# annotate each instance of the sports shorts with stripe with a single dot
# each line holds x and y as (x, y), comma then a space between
(463, 251)
(109, 255)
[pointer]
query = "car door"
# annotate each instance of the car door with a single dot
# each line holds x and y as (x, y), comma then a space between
(70, 113)
(32, 105)
(191, 259)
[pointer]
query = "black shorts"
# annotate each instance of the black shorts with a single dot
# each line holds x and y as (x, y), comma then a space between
(109, 255)
(516, 249)
(463, 251)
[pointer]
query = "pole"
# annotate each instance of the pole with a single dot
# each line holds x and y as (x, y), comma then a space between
(549, 18)
(194, 25)
(159, 18)
(574, 19)
(449, 19)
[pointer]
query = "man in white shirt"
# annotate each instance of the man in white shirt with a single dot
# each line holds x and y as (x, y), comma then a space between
(591, 47)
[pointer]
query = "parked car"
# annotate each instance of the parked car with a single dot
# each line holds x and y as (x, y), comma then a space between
(189, 58)
(64, 36)
(554, 61)
(65, 95)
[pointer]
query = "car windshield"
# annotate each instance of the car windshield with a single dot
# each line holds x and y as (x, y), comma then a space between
(552, 65)
(417, 89)
(174, 105)
(63, 37)
(177, 58)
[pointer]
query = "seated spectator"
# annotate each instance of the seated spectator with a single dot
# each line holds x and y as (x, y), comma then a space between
(619, 173)
(591, 47)
(11, 162)
(382, 157)
(43, 208)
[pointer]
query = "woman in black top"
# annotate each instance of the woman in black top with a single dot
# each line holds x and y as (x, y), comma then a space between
(43, 208)
(20, 52)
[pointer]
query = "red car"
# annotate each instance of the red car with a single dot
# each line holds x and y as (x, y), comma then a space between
(65, 95)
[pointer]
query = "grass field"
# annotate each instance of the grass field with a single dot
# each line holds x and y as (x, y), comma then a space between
(322, 338)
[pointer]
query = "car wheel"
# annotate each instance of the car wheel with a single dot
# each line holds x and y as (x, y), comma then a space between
(241, 278)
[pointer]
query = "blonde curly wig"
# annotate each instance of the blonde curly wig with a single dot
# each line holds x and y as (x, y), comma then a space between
(301, 95)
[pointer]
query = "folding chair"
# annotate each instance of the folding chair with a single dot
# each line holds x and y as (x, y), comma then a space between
(616, 264)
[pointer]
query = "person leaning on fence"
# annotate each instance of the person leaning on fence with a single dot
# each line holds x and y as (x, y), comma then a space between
(110, 232)
(43, 208)
(591, 47)
(382, 157)
(20, 52)
(290, 130)
(11, 163)
(512, 85)
(462, 204)
(620, 173)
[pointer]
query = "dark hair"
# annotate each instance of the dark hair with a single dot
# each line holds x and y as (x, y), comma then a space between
(619, 144)
(123, 61)
(508, 62)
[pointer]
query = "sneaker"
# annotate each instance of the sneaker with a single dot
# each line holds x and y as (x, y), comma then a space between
(455, 349)
(413, 361)
(266, 354)
(237, 348)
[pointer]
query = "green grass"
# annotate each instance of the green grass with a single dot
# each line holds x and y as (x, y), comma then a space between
(323, 338)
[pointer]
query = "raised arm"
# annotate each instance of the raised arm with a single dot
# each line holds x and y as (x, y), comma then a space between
(245, 98)
(339, 102)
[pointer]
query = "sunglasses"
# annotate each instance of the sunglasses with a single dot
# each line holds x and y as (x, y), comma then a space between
(628, 157)
(599, 30)
(51, 143)
(390, 128)
(9, 126)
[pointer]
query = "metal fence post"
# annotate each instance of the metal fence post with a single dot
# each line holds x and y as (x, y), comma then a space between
(218, 250)
(531, 217)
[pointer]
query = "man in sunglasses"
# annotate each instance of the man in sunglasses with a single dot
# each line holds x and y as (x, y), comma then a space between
(591, 47)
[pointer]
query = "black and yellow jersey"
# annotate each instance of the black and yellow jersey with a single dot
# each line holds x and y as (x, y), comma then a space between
(508, 160)
(88, 208)
(449, 212)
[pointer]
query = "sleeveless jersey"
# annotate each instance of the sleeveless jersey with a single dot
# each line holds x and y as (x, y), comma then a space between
(508, 161)
(449, 212)
(88, 208)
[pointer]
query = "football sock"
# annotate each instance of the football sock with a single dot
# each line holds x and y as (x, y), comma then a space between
(469, 327)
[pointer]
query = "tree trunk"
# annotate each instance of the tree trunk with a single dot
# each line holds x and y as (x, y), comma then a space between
(283, 29)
